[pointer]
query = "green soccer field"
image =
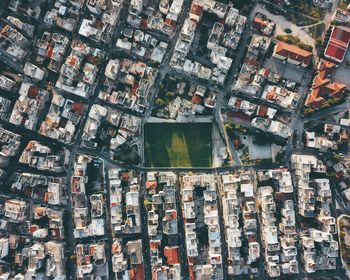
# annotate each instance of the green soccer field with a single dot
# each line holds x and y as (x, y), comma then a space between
(178, 144)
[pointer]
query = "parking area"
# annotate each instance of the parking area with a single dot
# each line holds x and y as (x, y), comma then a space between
(285, 70)
(342, 74)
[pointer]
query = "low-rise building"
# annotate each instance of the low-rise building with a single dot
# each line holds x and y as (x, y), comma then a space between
(62, 119)
(44, 158)
(9, 145)
(7, 83)
(65, 15)
(200, 208)
(29, 106)
(278, 219)
(251, 76)
(332, 137)
(50, 190)
(280, 96)
(128, 84)
(272, 126)
(323, 88)
(15, 210)
(142, 44)
(79, 72)
(52, 46)
(13, 43)
(87, 204)
(91, 261)
(263, 25)
(319, 245)
(292, 54)
(34, 72)
(124, 196)
(239, 208)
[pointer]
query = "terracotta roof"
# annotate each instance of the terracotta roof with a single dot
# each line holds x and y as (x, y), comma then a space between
(125, 176)
(154, 244)
(170, 22)
(262, 110)
(324, 64)
(258, 23)
(319, 81)
(77, 108)
(137, 273)
(72, 60)
(115, 248)
(196, 10)
(172, 255)
(192, 274)
(238, 103)
(151, 185)
(293, 52)
(33, 92)
(143, 23)
(325, 69)
(322, 85)
(196, 99)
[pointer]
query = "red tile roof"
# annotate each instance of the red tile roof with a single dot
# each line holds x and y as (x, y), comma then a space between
(196, 99)
(293, 52)
(258, 23)
(323, 86)
(151, 185)
(238, 103)
(262, 111)
(33, 92)
(172, 255)
(196, 10)
(77, 108)
(137, 273)
(170, 22)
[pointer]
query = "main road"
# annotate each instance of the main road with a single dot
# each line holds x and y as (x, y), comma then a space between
(228, 86)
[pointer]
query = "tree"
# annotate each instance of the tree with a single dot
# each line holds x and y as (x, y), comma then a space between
(337, 157)
(309, 111)
(230, 129)
(170, 95)
(160, 103)
(329, 102)
(228, 126)
(293, 40)
(319, 41)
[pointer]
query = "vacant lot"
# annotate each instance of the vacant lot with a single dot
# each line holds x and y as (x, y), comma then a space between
(178, 144)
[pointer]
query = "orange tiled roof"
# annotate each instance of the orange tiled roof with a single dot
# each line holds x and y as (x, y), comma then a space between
(151, 185)
(136, 273)
(322, 85)
(293, 52)
(196, 10)
(172, 255)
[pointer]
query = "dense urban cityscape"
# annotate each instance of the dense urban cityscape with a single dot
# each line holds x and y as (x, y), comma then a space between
(174, 139)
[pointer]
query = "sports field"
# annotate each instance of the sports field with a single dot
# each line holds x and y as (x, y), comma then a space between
(178, 144)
